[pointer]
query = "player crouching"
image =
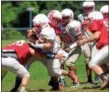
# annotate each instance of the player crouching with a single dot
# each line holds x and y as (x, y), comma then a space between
(15, 57)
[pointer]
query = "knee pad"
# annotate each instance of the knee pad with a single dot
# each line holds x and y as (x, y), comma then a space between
(91, 64)
(87, 60)
(69, 64)
(23, 73)
(58, 72)
(27, 74)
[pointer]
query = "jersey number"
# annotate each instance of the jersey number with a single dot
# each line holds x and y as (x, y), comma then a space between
(19, 43)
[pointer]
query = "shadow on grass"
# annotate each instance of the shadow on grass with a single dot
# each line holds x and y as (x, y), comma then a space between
(87, 83)
(40, 90)
(92, 87)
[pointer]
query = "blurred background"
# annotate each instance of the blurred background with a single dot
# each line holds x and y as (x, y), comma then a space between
(17, 15)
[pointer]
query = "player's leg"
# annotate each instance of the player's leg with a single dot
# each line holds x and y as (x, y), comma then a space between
(87, 54)
(94, 51)
(100, 58)
(17, 84)
(54, 83)
(54, 69)
(18, 79)
(73, 57)
(61, 78)
(14, 66)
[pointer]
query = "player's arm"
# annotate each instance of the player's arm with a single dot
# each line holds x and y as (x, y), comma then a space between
(31, 35)
(58, 40)
(92, 38)
(94, 28)
(44, 46)
(48, 55)
(79, 36)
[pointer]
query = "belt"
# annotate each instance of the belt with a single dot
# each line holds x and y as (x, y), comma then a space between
(9, 53)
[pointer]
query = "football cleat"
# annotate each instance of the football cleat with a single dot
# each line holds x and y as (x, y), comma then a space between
(75, 85)
(105, 79)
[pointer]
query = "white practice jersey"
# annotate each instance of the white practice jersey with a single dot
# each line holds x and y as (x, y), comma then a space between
(81, 17)
(70, 32)
(49, 34)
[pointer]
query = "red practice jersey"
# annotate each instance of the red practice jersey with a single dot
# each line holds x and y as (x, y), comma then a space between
(22, 50)
(98, 25)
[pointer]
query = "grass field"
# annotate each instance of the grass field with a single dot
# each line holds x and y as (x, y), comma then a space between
(39, 78)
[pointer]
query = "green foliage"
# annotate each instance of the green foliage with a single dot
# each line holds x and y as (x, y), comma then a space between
(8, 14)
(13, 34)
(15, 13)
(11, 11)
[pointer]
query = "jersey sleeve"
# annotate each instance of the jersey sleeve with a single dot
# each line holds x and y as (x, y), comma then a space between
(95, 26)
(78, 29)
(80, 18)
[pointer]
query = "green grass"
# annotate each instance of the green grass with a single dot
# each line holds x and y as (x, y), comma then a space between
(39, 78)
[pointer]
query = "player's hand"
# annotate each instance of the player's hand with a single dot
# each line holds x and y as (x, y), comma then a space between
(67, 50)
(80, 42)
(59, 56)
(42, 39)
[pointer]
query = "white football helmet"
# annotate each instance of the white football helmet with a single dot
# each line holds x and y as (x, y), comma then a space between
(40, 21)
(88, 7)
(95, 15)
(104, 9)
(67, 16)
(55, 18)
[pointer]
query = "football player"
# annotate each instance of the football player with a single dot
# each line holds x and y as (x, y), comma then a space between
(40, 21)
(71, 33)
(55, 21)
(88, 6)
(100, 35)
(14, 57)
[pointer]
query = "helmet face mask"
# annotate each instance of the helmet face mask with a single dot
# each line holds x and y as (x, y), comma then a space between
(66, 20)
(55, 22)
(38, 26)
(87, 10)
(106, 16)
(88, 7)
(55, 18)
(67, 16)
(88, 21)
